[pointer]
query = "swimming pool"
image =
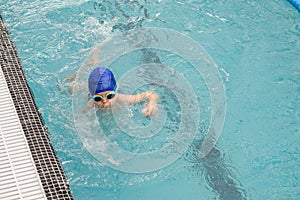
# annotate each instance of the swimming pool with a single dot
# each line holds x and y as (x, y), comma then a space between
(256, 46)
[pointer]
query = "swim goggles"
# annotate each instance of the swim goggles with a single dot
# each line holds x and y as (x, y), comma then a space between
(109, 95)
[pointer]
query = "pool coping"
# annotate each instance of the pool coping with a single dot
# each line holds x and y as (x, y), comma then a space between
(49, 169)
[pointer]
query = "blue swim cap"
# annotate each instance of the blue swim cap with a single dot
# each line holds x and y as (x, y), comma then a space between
(101, 79)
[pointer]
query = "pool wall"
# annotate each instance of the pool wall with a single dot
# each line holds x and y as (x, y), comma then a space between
(49, 169)
(295, 3)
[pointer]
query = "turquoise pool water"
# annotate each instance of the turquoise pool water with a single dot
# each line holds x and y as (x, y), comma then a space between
(256, 46)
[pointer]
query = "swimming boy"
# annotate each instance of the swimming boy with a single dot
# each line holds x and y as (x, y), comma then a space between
(102, 92)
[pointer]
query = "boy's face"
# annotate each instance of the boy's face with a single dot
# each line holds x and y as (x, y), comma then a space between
(103, 99)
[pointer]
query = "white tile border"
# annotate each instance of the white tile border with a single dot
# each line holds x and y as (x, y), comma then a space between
(18, 174)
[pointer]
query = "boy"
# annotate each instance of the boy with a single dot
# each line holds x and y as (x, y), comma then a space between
(102, 93)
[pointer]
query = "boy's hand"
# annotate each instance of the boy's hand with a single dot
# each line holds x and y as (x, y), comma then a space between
(151, 109)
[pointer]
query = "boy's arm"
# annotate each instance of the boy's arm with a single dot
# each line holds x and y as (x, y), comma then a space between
(91, 61)
(150, 107)
(133, 99)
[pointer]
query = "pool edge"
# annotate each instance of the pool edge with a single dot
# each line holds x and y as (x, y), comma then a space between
(49, 168)
(295, 3)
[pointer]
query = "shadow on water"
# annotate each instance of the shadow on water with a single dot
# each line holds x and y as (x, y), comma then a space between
(219, 176)
(131, 14)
